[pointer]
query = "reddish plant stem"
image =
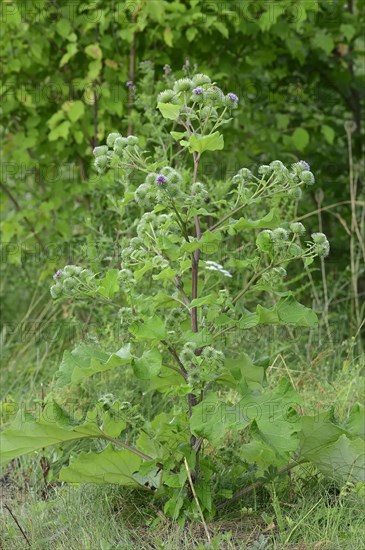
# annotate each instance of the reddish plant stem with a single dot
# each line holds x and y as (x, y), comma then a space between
(192, 400)
(195, 258)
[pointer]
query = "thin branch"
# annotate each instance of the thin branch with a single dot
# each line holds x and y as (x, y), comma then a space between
(255, 277)
(361, 203)
(354, 226)
(227, 216)
(18, 524)
(196, 500)
(198, 444)
(127, 447)
(319, 198)
(180, 287)
(27, 221)
(174, 354)
(258, 483)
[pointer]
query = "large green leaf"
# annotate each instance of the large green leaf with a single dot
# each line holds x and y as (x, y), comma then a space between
(109, 285)
(149, 365)
(71, 50)
(275, 419)
(74, 110)
(94, 51)
(300, 139)
(208, 244)
(248, 320)
(328, 133)
(165, 381)
(343, 460)
(293, 313)
(85, 361)
(212, 142)
(210, 299)
(169, 110)
(324, 41)
(356, 421)
(331, 447)
(52, 427)
(317, 431)
(272, 410)
(270, 221)
(152, 329)
(287, 312)
(61, 131)
(241, 373)
(109, 466)
(261, 454)
(270, 16)
(267, 316)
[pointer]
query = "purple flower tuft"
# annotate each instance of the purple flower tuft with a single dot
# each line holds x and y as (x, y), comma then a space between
(233, 97)
(130, 84)
(58, 274)
(305, 164)
(161, 179)
(198, 91)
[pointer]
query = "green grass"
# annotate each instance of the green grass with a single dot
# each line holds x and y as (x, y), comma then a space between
(92, 517)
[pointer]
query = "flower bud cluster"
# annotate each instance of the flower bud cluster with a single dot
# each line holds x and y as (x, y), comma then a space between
(145, 196)
(213, 358)
(243, 176)
(70, 280)
(117, 148)
(126, 279)
(276, 241)
(153, 224)
(297, 228)
(127, 316)
(158, 187)
(300, 172)
(175, 319)
(132, 252)
(187, 354)
(198, 90)
(280, 235)
(321, 244)
(159, 262)
(279, 241)
(207, 366)
(199, 196)
(273, 277)
(274, 178)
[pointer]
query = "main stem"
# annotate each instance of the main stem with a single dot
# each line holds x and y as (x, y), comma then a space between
(194, 294)
(195, 258)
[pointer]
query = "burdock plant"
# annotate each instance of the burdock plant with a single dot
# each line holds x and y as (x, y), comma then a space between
(221, 427)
